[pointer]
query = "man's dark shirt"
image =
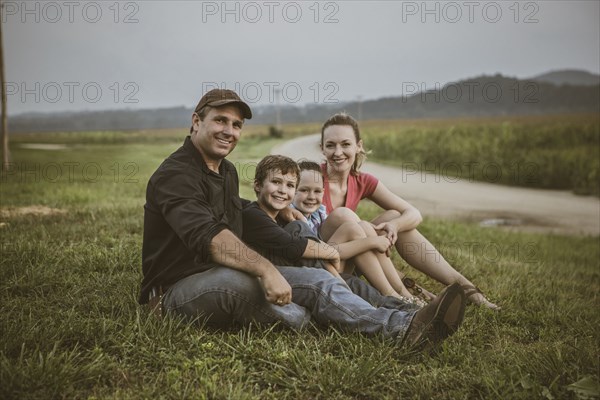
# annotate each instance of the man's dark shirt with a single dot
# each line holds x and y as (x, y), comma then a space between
(269, 239)
(187, 205)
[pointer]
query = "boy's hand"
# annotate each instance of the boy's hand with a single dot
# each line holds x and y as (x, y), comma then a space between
(336, 264)
(382, 244)
(290, 214)
(331, 269)
(277, 289)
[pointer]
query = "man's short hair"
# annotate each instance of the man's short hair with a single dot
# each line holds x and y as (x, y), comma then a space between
(272, 163)
(221, 97)
(202, 114)
(217, 98)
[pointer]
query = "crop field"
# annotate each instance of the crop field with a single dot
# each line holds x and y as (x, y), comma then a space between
(550, 152)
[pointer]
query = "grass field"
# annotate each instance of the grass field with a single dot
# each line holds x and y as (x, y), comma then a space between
(71, 327)
(550, 152)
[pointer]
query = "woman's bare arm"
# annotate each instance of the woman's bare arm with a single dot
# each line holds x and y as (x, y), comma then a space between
(409, 217)
(355, 247)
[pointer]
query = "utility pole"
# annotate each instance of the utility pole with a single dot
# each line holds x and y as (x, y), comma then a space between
(5, 151)
(277, 111)
(359, 113)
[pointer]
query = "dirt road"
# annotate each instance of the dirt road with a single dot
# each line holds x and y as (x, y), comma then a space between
(507, 207)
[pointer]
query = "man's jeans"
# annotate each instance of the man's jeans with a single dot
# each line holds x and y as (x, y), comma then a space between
(225, 296)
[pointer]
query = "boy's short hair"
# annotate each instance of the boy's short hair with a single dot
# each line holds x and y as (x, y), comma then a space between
(306, 165)
(272, 163)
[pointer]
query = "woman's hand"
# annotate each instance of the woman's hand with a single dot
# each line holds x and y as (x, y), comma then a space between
(388, 230)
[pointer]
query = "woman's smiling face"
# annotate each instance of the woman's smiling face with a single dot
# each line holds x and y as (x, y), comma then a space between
(340, 147)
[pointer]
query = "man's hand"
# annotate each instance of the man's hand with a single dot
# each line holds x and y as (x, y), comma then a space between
(225, 249)
(290, 214)
(277, 289)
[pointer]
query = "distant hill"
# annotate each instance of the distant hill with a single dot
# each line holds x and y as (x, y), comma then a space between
(569, 77)
(101, 120)
(479, 96)
(486, 96)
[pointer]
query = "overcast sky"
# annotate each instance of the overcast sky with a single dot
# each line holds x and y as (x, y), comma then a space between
(79, 55)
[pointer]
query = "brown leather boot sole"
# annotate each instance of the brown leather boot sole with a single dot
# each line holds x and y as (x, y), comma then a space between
(438, 320)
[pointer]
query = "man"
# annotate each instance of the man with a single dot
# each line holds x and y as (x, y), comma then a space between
(191, 253)
(195, 264)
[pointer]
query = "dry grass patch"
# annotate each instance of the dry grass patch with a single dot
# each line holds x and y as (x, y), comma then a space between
(36, 211)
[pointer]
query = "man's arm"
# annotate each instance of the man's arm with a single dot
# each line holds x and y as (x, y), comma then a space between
(189, 213)
(228, 250)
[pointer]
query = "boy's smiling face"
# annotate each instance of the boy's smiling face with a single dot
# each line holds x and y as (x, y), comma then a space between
(309, 194)
(275, 192)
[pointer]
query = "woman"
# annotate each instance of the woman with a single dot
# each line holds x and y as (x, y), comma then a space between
(345, 186)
